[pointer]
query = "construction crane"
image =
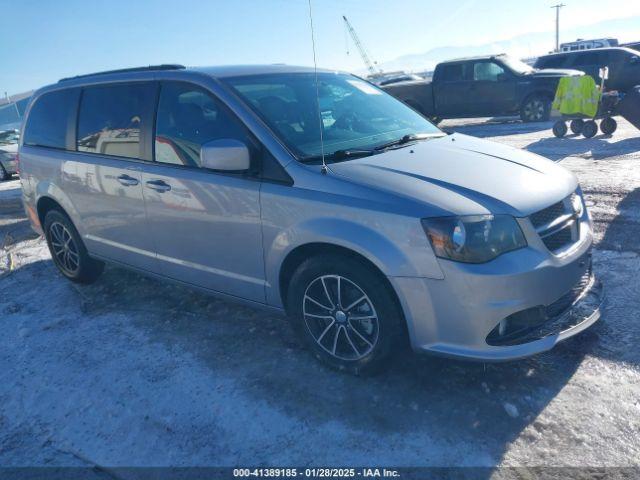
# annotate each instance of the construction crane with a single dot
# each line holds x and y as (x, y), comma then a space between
(363, 53)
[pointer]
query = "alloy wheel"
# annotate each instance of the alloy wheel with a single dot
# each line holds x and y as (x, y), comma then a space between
(534, 110)
(340, 317)
(64, 248)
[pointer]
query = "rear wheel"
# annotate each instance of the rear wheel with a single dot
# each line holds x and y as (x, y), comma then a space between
(536, 108)
(345, 313)
(576, 126)
(589, 129)
(608, 125)
(559, 129)
(68, 251)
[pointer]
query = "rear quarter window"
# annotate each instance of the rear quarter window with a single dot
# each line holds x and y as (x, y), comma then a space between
(49, 118)
(454, 72)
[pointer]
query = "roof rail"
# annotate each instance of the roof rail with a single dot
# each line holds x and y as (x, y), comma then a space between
(127, 70)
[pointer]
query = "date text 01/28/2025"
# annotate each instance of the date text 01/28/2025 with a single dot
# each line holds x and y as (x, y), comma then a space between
(315, 472)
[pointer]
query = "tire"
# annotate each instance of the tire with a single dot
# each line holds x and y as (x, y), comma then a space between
(327, 326)
(68, 251)
(576, 126)
(608, 125)
(535, 108)
(4, 175)
(589, 129)
(559, 129)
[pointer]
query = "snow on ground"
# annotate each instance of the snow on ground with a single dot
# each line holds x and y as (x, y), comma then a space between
(132, 371)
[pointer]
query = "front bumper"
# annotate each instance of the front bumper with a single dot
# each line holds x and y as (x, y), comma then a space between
(455, 316)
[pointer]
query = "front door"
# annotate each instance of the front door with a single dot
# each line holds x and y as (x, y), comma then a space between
(206, 224)
(493, 89)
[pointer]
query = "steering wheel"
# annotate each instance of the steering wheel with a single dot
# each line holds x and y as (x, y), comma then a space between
(347, 121)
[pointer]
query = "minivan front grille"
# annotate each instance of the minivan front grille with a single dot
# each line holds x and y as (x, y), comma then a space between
(557, 225)
(548, 214)
(559, 239)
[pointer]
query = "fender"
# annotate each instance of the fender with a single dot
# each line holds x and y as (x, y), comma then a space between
(361, 239)
(46, 188)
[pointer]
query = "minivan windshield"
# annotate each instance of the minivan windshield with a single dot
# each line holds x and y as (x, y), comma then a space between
(357, 117)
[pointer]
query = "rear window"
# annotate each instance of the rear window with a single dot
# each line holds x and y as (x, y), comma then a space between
(49, 118)
(110, 119)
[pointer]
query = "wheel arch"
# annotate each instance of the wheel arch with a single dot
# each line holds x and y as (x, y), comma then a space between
(47, 196)
(303, 252)
(44, 205)
(546, 94)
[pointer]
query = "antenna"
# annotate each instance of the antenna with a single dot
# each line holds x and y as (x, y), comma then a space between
(315, 71)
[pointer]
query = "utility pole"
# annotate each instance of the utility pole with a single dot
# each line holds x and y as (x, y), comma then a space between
(558, 7)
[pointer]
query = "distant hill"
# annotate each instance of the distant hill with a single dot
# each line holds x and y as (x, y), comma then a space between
(522, 46)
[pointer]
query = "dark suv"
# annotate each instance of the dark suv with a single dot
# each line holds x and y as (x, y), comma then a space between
(623, 63)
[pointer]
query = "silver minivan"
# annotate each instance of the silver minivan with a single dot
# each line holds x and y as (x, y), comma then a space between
(315, 194)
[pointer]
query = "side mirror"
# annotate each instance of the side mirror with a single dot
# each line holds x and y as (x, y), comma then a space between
(502, 77)
(226, 155)
(634, 60)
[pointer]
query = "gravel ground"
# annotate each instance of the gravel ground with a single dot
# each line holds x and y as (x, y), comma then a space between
(134, 372)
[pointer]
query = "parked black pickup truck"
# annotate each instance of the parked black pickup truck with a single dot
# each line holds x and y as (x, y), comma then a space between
(483, 87)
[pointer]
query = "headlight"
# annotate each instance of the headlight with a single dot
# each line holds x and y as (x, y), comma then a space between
(474, 238)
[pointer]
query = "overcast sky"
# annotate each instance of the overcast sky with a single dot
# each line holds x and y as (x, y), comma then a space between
(45, 40)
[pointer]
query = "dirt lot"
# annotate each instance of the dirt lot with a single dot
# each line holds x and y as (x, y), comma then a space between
(131, 371)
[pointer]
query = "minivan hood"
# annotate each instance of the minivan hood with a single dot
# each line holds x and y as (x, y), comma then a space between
(556, 72)
(462, 175)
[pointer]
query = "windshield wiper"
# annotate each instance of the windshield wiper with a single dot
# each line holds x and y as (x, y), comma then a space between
(411, 137)
(339, 155)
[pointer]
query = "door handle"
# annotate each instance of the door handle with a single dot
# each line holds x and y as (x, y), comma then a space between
(158, 186)
(127, 181)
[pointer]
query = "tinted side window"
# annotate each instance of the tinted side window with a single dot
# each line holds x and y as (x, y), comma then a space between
(110, 119)
(49, 118)
(590, 58)
(454, 72)
(188, 117)
(487, 71)
(551, 62)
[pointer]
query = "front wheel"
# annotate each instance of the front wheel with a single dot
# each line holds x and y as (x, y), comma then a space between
(345, 313)
(535, 109)
(68, 251)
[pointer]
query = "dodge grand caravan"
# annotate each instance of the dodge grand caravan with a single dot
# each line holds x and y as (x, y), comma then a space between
(319, 196)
